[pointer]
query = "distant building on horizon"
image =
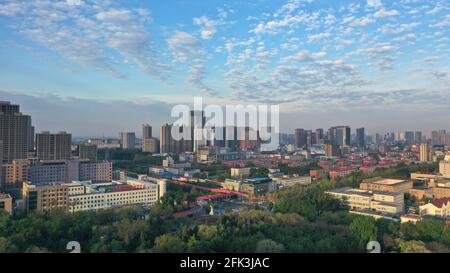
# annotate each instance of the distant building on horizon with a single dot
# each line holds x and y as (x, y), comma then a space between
(360, 138)
(127, 140)
(424, 152)
(146, 131)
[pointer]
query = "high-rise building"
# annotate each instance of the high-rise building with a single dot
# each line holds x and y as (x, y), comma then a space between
(319, 136)
(299, 138)
(30, 137)
(340, 135)
(14, 132)
(127, 140)
(171, 144)
(409, 137)
(424, 152)
(165, 137)
(146, 131)
(53, 146)
(197, 123)
(87, 151)
(360, 137)
(331, 150)
(310, 138)
(150, 145)
(417, 137)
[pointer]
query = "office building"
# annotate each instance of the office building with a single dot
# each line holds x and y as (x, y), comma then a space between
(417, 137)
(127, 140)
(87, 151)
(360, 138)
(53, 146)
(14, 132)
(341, 135)
(319, 136)
(409, 138)
(299, 138)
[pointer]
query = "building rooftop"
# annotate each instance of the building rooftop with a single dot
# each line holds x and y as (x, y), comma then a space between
(439, 203)
(385, 181)
(4, 196)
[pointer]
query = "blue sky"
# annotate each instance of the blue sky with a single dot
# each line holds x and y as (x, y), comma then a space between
(371, 63)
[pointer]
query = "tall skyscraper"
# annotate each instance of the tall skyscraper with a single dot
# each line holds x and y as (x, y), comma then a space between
(165, 138)
(14, 132)
(310, 138)
(424, 152)
(360, 137)
(53, 146)
(127, 140)
(340, 135)
(146, 131)
(417, 137)
(197, 123)
(299, 138)
(409, 137)
(319, 136)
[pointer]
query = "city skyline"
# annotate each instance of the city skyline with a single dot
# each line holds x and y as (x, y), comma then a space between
(381, 65)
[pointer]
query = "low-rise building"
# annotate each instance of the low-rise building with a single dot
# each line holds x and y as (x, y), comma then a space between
(293, 180)
(106, 195)
(85, 195)
(437, 208)
(240, 172)
(258, 186)
(6, 203)
(386, 184)
(390, 203)
(45, 197)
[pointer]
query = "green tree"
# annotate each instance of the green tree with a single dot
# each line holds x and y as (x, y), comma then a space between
(363, 230)
(168, 243)
(269, 246)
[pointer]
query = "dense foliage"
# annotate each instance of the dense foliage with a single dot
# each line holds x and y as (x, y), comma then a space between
(300, 219)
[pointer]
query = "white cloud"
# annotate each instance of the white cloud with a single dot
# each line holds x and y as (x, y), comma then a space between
(386, 13)
(208, 27)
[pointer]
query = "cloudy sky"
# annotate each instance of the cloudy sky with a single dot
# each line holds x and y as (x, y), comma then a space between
(95, 67)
